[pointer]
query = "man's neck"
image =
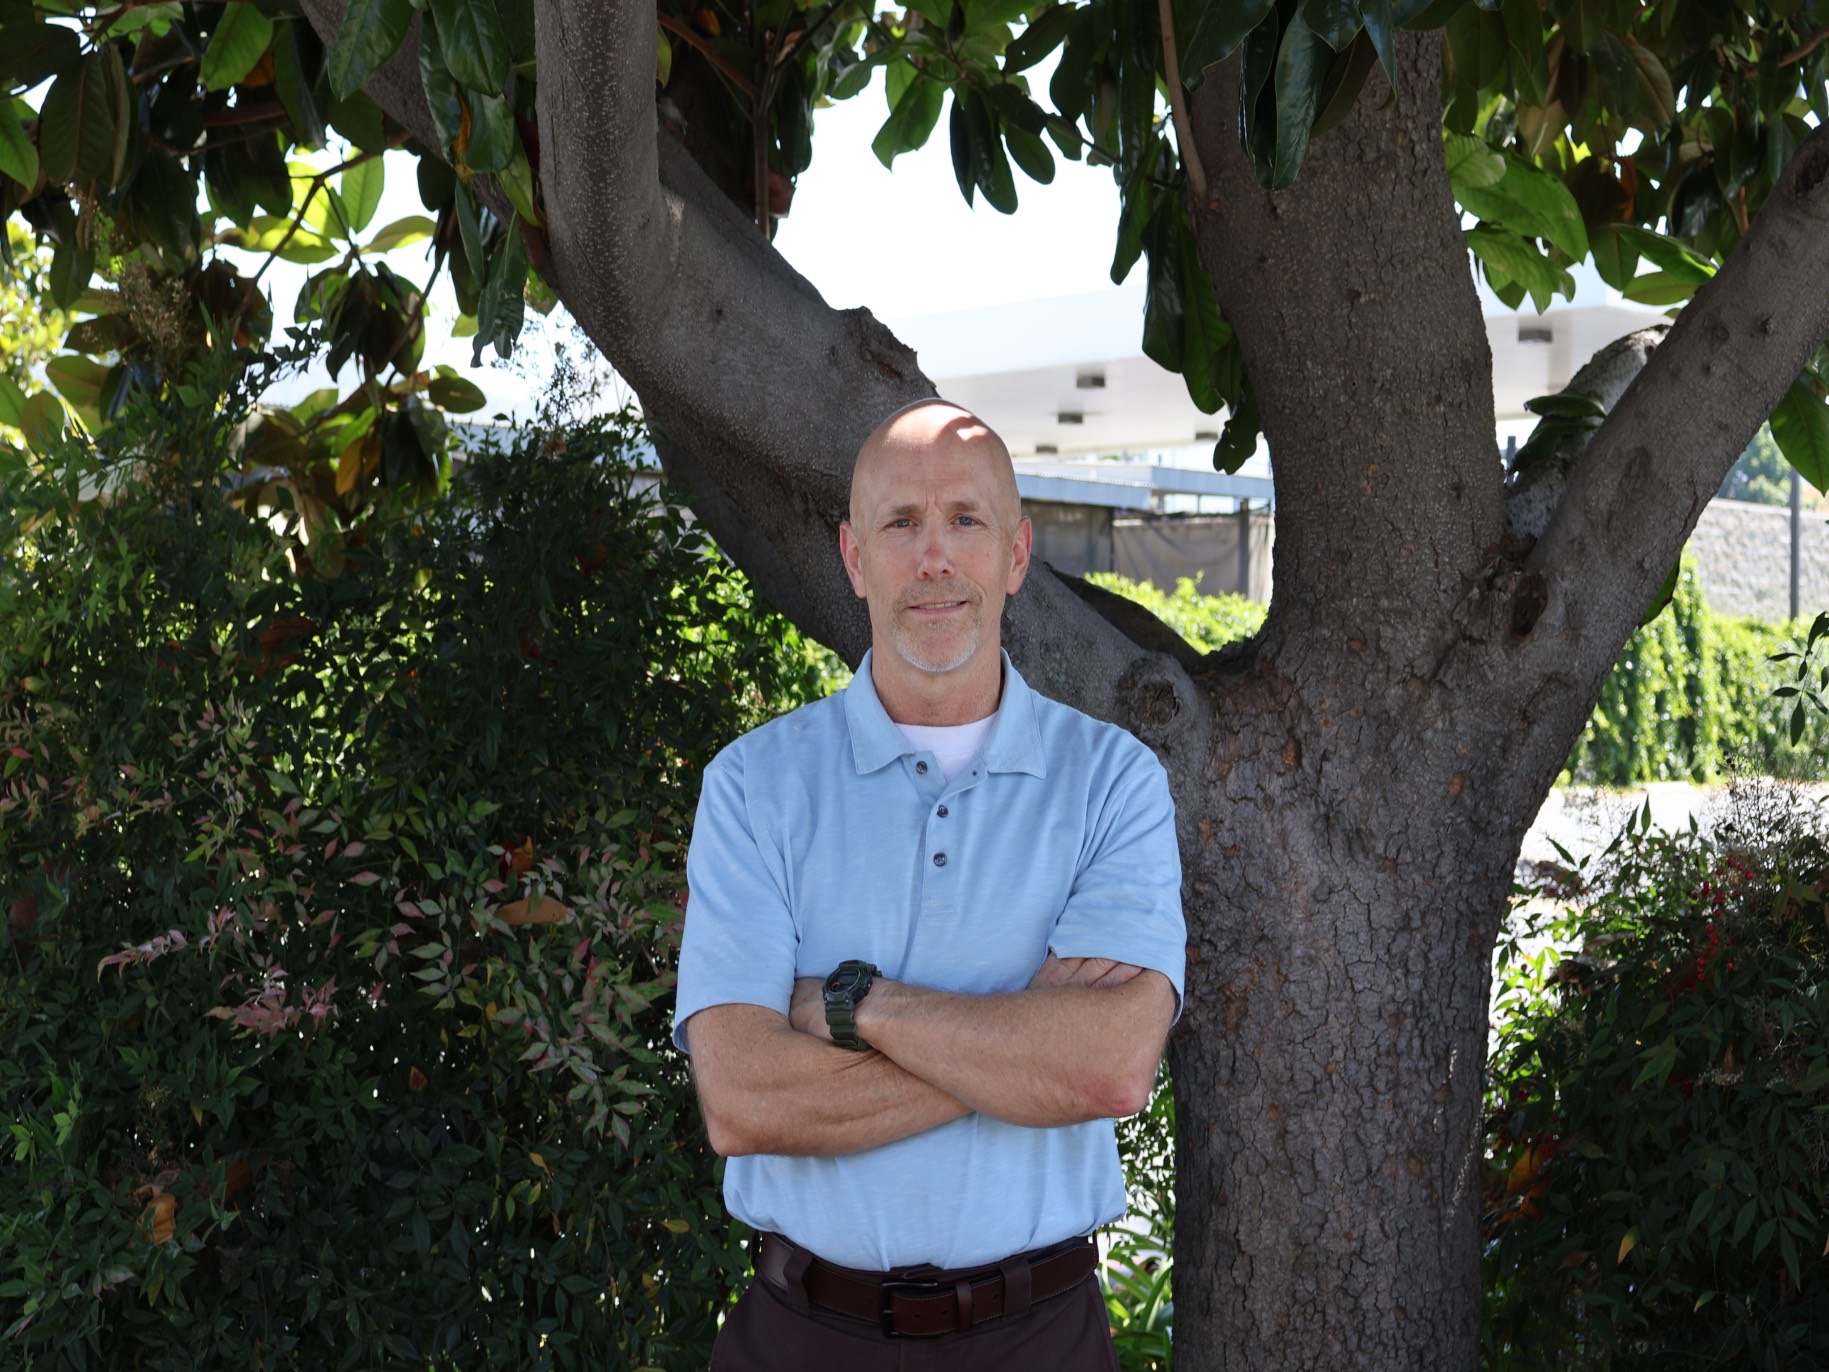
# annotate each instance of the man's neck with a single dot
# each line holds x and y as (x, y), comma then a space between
(939, 698)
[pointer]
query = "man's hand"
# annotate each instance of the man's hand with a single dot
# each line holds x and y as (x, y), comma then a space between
(1082, 972)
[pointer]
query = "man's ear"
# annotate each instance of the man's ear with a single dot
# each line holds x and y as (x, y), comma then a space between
(849, 550)
(1019, 558)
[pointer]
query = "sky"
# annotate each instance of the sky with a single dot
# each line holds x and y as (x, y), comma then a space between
(903, 244)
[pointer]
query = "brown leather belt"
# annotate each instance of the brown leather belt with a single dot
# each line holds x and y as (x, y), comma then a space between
(922, 1302)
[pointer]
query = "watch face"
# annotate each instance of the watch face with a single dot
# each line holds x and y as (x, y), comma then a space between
(841, 981)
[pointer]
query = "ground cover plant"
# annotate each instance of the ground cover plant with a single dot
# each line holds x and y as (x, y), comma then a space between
(1657, 1142)
(344, 882)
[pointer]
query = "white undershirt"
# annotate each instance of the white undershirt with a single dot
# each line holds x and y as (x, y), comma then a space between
(953, 745)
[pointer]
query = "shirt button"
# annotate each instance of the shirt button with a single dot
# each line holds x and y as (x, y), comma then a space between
(921, 768)
(939, 859)
(941, 812)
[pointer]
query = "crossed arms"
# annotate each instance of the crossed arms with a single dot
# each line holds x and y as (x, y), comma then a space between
(1081, 1042)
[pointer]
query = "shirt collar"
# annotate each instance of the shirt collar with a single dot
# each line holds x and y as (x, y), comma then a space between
(1015, 744)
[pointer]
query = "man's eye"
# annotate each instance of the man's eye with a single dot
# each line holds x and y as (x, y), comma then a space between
(970, 520)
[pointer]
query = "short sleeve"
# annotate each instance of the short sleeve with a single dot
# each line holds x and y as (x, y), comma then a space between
(1126, 899)
(739, 942)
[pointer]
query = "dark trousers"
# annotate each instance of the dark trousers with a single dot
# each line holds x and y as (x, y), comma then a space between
(764, 1333)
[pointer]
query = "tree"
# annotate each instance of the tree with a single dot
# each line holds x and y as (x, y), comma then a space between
(1760, 474)
(1354, 782)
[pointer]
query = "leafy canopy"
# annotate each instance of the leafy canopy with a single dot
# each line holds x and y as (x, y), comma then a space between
(141, 140)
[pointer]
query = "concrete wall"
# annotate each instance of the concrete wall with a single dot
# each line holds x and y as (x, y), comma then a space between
(1743, 555)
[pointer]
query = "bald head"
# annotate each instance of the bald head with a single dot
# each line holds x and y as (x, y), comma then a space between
(926, 428)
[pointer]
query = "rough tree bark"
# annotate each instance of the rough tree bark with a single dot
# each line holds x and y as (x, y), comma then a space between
(1353, 785)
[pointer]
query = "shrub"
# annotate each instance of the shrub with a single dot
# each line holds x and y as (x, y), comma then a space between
(344, 874)
(1658, 1141)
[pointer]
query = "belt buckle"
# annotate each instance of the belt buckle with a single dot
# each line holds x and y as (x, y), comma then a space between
(910, 1286)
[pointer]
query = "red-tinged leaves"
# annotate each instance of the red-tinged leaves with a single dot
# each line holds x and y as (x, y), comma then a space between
(365, 878)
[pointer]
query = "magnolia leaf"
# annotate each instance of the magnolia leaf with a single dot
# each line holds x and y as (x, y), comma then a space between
(663, 57)
(36, 52)
(1334, 22)
(18, 154)
(361, 190)
(1473, 163)
(1567, 405)
(493, 140)
(1529, 201)
(458, 394)
(911, 121)
(1660, 288)
(76, 133)
(414, 228)
(371, 32)
(1667, 253)
(240, 40)
(1800, 426)
(471, 42)
(43, 421)
(517, 183)
(1509, 259)
(1219, 30)
(12, 401)
(1301, 64)
(78, 379)
(1626, 1245)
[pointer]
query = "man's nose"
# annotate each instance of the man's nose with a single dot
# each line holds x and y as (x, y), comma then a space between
(936, 554)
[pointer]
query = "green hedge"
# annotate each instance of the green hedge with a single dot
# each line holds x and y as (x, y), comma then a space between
(1691, 698)
(295, 1075)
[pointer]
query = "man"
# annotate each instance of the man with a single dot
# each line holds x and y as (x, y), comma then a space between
(933, 947)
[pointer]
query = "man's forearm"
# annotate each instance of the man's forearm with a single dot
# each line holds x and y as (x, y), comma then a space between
(1046, 1056)
(767, 1088)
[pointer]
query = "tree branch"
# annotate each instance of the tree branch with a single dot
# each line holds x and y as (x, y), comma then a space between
(1637, 491)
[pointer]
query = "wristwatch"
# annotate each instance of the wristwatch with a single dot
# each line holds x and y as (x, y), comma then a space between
(849, 983)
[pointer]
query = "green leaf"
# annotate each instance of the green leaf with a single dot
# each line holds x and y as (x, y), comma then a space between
(240, 39)
(451, 391)
(360, 188)
(911, 121)
(1510, 260)
(37, 52)
(500, 309)
(1163, 322)
(1666, 593)
(414, 228)
(493, 140)
(1473, 163)
(1660, 288)
(12, 401)
(1381, 21)
(1567, 405)
(1040, 38)
(1334, 22)
(1209, 356)
(1667, 253)
(1031, 153)
(1529, 201)
(76, 132)
(43, 422)
(78, 379)
(1800, 425)
(1301, 63)
(1615, 258)
(1218, 31)
(470, 37)
(18, 154)
(1238, 440)
(517, 183)
(371, 32)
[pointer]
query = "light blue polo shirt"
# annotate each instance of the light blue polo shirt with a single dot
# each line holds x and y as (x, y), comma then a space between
(824, 835)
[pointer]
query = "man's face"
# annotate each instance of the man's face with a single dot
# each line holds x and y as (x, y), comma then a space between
(936, 540)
